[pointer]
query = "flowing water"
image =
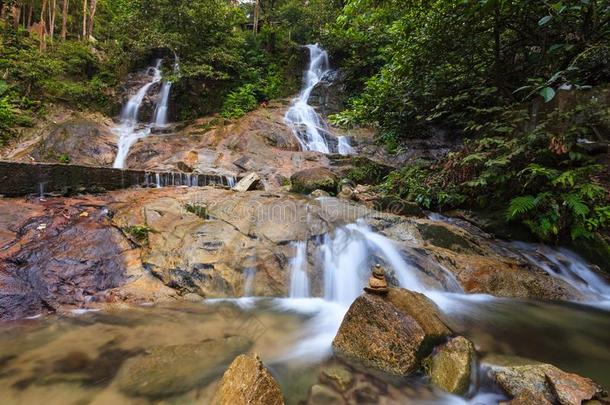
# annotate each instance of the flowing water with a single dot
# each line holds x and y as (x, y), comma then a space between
(309, 128)
(130, 130)
(77, 358)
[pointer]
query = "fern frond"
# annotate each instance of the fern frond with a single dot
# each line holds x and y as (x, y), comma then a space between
(519, 206)
(578, 207)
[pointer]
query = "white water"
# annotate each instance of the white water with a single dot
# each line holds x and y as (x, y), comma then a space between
(344, 147)
(306, 124)
(299, 280)
(249, 275)
(160, 119)
(128, 131)
(569, 267)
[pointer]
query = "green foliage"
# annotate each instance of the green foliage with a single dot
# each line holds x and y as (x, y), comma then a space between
(239, 102)
(138, 232)
(200, 210)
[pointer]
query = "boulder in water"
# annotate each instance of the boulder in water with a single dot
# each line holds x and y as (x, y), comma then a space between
(391, 334)
(309, 180)
(170, 370)
(248, 382)
(523, 378)
(451, 366)
(322, 395)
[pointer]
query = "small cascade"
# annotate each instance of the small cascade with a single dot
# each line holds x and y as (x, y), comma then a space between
(299, 280)
(309, 128)
(160, 119)
(176, 179)
(567, 266)
(249, 275)
(344, 147)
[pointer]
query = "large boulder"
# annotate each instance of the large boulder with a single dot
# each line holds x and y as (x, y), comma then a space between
(171, 370)
(524, 378)
(390, 335)
(451, 365)
(309, 180)
(248, 382)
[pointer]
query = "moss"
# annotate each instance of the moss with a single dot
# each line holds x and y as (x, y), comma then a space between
(200, 210)
(138, 232)
(443, 237)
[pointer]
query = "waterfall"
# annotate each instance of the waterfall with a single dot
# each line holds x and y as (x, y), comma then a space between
(249, 275)
(344, 147)
(160, 119)
(128, 131)
(307, 125)
(299, 280)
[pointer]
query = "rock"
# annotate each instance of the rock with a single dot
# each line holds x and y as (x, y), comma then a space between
(451, 365)
(525, 378)
(244, 163)
(389, 334)
(319, 193)
(171, 370)
(338, 377)
(249, 182)
(309, 180)
(248, 382)
(377, 281)
(323, 395)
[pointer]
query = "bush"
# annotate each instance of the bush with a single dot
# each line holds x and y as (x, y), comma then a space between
(240, 101)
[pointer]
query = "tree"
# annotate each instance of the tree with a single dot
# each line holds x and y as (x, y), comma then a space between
(64, 19)
(92, 9)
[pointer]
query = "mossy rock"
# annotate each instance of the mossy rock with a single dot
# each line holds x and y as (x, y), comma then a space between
(451, 366)
(309, 180)
(441, 236)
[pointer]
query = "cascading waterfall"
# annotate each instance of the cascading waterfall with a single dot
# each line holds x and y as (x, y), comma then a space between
(249, 275)
(160, 119)
(128, 130)
(299, 280)
(308, 126)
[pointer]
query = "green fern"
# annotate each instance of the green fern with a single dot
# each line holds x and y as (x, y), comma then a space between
(578, 207)
(520, 206)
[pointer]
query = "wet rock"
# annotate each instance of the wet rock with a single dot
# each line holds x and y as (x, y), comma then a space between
(249, 182)
(451, 365)
(447, 238)
(171, 370)
(248, 382)
(319, 193)
(390, 334)
(83, 140)
(61, 258)
(309, 180)
(338, 377)
(522, 378)
(322, 395)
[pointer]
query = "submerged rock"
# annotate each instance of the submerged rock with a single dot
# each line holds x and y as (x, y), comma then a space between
(523, 378)
(248, 382)
(171, 370)
(322, 395)
(390, 334)
(309, 180)
(452, 364)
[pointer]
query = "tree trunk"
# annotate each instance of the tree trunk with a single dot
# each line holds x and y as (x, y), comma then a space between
(43, 28)
(64, 20)
(30, 15)
(257, 11)
(16, 15)
(84, 20)
(92, 7)
(52, 13)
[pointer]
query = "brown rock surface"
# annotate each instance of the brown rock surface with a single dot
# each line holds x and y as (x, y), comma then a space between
(451, 365)
(522, 377)
(390, 334)
(248, 382)
(319, 178)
